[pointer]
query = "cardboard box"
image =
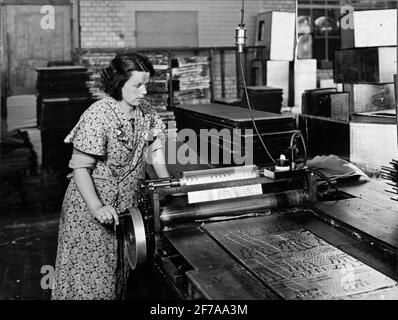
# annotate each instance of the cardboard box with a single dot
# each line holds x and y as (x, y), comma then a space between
(276, 31)
(370, 97)
(372, 145)
(371, 28)
(304, 78)
(277, 75)
(365, 65)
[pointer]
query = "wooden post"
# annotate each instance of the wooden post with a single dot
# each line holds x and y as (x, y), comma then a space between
(222, 66)
(211, 54)
(171, 103)
(3, 69)
(396, 100)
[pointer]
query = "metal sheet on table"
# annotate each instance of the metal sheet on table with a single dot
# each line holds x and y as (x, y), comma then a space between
(216, 274)
(197, 248)
(296, 263)
(229, 282)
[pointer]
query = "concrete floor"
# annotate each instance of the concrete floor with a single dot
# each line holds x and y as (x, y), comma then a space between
(28, 233)
(28, 238)
(26, 245)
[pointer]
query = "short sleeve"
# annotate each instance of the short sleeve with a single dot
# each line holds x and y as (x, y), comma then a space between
(90, 133)
(81, 160)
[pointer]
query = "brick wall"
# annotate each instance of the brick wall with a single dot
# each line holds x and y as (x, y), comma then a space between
(101, 24)
(277, 5)
(111, 24)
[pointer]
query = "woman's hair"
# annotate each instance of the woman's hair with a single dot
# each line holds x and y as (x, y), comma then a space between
(119, 71)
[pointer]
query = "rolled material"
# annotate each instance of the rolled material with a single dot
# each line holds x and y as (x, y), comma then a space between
(232, 207)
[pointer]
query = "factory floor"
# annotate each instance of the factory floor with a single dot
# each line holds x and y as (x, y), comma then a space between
(27, 243)
(28, 233)
(28, 238)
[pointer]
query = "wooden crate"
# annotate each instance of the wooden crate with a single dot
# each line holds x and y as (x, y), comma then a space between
(371, 28)
(365, 65)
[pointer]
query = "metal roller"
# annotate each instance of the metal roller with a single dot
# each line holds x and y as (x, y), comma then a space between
(233, 207)
(135, 245)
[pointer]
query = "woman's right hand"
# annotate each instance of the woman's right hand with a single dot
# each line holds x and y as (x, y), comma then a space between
(106, 214)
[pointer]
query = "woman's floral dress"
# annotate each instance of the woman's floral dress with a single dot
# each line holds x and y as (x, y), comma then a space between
(87, 264)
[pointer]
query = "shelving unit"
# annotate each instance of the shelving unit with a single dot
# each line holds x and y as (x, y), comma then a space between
(96, 58)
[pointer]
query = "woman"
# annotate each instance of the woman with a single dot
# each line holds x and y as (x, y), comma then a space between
(110, 143)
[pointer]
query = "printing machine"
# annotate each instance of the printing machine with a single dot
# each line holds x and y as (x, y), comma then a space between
(260, 231)
(250, 233)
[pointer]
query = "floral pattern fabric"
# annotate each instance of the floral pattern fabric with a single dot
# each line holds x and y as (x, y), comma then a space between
(88, 265)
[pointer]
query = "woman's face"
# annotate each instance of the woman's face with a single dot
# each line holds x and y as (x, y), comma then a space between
(134, 90)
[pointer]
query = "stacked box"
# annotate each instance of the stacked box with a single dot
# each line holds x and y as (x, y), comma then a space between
(366, 65)
(276, 31)
(370, 28)
(316, 101)
(63, 97)
(368, 60)
(264, 98)
(338, 106)
(370, 97)
(291, 71)
(326, 102)
(304, 78)
(277, 76)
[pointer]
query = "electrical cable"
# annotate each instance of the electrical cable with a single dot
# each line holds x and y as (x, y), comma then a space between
(320, 174)
(303, 143)
(250, 109)
(242, 12)
(245, 87)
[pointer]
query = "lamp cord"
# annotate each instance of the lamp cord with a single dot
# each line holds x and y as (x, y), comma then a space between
(242, 11)
(320, 174)
(250, 109)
